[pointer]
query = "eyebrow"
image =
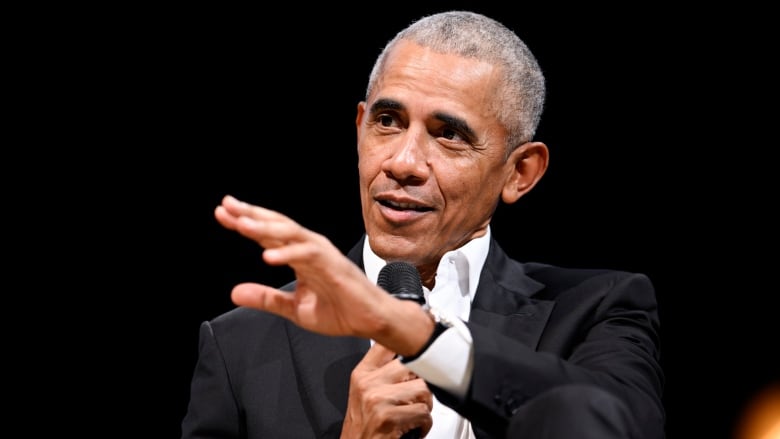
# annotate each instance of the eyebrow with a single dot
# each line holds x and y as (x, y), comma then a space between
(455, 122)
(385, 104)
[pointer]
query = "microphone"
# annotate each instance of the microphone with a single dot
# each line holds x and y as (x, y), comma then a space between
(402, 280)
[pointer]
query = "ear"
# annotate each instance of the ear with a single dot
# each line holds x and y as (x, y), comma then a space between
(529, 163)
(361, 111)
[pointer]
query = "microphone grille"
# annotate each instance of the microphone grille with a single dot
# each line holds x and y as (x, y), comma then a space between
(402, 280)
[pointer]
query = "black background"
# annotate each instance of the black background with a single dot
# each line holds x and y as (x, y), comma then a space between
(660, 163)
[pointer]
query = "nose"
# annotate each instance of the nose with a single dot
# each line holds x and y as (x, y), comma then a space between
(409, 156)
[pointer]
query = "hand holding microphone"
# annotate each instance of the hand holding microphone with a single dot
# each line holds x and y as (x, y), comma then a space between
(380, 381)
(402, 280)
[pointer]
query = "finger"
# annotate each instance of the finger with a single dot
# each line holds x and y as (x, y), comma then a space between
(415, 391)
(239, 208)
(416, 405)
(416, 415)
(281, 229)
(234, 206)
(381, 366)
(231, 209)
(287, 242)
(285, 253)
(378, 355)
(269, 234)
(231, 222)
(225, 218)
(425, 395)
(264, 298)
(405, 417)
(272, 230)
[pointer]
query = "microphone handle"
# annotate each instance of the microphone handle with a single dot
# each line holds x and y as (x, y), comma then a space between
(402, 280)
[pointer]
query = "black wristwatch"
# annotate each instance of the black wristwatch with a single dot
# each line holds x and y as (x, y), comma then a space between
(440, 324)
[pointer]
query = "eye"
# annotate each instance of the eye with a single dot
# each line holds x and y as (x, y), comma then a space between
(385, 120)
(450, 134)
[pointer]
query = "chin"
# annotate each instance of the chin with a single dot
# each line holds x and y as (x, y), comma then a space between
(394, 247)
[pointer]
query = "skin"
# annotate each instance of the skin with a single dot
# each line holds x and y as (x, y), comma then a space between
(433, 167)
(377, 384)
(427, 138)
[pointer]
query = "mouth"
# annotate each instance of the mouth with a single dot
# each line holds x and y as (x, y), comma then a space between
(402, 206)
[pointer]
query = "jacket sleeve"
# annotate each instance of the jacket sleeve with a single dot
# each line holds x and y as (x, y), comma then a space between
(212, 410)
(602, 331)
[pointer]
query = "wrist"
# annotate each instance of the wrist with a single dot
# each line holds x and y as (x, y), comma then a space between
(440, 324)
(411, 329)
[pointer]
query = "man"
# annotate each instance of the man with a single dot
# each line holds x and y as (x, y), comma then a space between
(501, 349)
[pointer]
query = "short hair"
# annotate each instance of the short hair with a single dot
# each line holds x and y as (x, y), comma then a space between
(521, 91)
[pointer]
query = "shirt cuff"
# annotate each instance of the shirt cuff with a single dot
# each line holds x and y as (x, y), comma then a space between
(448, 360)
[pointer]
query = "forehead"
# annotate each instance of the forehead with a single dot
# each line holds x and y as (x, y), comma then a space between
(414, 74)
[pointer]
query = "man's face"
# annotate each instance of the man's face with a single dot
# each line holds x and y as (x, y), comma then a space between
(431, 154)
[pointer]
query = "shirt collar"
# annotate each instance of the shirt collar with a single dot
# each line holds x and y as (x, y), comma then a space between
(468, 259)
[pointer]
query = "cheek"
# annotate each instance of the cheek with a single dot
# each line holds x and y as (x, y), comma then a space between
(470, 187)
(462, 189)
(460, 182)
(367, 170)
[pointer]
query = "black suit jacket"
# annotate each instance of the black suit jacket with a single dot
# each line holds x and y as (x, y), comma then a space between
(534, 326)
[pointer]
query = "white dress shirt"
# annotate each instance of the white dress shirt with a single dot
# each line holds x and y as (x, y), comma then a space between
(448, 362)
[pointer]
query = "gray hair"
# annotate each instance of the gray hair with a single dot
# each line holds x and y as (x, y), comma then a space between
(521, 91)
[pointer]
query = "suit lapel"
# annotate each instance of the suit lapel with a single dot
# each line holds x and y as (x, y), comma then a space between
(504, 300)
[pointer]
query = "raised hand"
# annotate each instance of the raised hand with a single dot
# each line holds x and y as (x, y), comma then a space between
(333, 296)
